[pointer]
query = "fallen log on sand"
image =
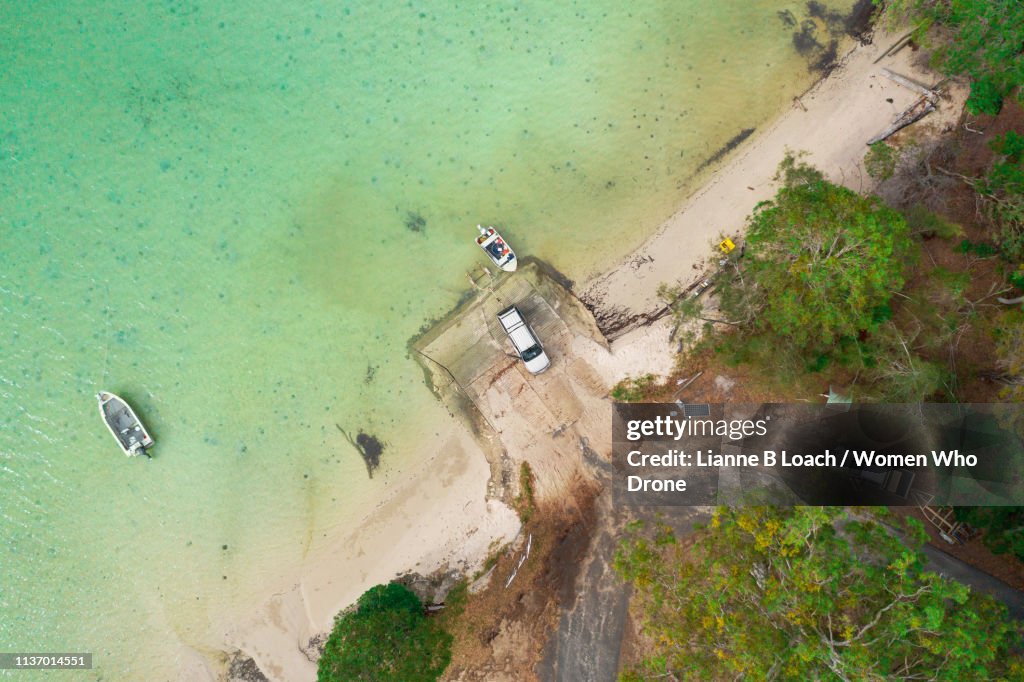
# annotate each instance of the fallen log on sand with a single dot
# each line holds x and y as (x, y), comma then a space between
(911, 85)
(918, 110)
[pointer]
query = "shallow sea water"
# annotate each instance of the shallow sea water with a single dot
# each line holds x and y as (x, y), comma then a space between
(236, 216)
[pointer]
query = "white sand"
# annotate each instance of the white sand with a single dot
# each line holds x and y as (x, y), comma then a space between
(645, 350)
(842, 112)
(441, 515)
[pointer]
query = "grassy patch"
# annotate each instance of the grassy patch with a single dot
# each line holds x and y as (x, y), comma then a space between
(631, 390)
(525, 504)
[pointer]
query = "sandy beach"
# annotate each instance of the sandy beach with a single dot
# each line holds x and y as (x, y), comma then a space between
(830, 123)
(444, 514)
(438, 516)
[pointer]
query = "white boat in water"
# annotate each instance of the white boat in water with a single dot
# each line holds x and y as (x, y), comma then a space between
(124, 425)
(497, 249)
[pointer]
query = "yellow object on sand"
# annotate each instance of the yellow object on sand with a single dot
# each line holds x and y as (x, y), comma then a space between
(727, 245)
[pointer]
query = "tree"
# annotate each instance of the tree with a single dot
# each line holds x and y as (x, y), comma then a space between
(985, 43)
(880, 160)
(807, 593)
(1009, 335)
(1010, 353)
(1003, 527)
(1002, 188)
(820, 262)
(386, 637)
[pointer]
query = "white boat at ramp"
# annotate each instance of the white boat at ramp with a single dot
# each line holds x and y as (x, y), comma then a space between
(497, 249)
(124, 425)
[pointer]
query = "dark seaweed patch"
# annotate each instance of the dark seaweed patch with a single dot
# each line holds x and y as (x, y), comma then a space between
(726, 148)
(787, 18)
(245, 669)
(858, 21)
(819, 11)
(821, 48)
(855, 23)
(369, 447)
(828, 57)
(806, 39)
(414, 222)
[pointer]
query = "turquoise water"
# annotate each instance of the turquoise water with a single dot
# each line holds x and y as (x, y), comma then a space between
(208, 208)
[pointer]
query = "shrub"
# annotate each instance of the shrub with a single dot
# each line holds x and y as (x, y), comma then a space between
(631, 390)
(880, 161)
(385, 637)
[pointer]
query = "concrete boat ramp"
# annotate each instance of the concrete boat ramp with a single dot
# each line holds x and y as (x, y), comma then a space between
(549, 420)
(559, 422)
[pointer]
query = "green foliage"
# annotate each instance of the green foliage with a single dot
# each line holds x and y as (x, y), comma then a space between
(386, 637)
(985, 43)
(1012, 243)
(525, 503)
(1003, 527)
(493, 556)
(1003, 188)
(880, 161)
(820, 362)
(928, 224)
(807, 593)
(685, 310)
(1006, 177)
(631, 390)
(1009, 335)
(980, 249)
(986, 97)
(908, 378)
(1017, 278)
(820, 259)
(1010, 145)
(953, 281)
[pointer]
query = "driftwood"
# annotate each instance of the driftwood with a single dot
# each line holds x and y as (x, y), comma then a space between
(897, 46)
(686, 383)
(918, 110)
(911, 85)
(1002, 378)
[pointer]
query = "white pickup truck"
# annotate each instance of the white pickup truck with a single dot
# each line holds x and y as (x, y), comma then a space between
(524, 340)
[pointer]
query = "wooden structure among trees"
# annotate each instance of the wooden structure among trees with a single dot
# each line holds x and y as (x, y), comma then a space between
(952, 531)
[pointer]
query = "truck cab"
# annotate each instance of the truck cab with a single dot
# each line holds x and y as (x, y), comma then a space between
(524, 340)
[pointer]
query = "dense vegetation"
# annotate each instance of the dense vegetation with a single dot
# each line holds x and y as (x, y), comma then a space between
(1003, 527)
(1010, 361)
(1002, 190)
(830, 279)
(821, 263)
(833, 285)
(807, 593)
(386, 637)
(815, 287)
(980, 39)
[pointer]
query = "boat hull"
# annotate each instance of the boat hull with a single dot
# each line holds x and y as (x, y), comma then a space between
(124, 425)
(497, 249)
